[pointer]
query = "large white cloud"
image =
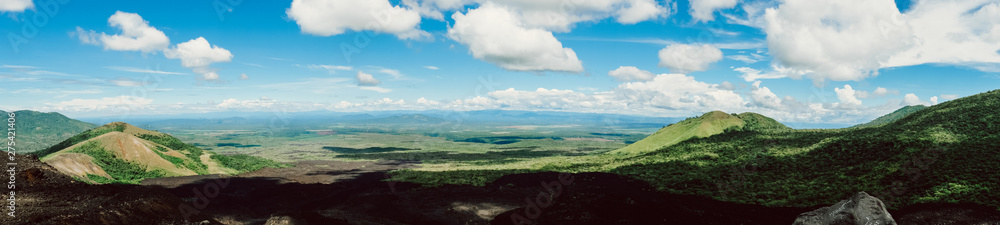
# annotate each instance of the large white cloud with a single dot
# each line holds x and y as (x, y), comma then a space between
(630, 73)
(15, 5)
(333, 17)
(197, 55)
(836, 39)
(704, 10)
(681, 58)
(518, 34)
(845, 40)
(953, 32)
(495, 34)
(136, 35)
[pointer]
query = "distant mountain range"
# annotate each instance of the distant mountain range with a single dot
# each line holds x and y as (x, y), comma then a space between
(38, 130)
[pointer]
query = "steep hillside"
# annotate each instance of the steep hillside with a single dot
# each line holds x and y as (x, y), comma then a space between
(943, 154)
(709, 124)
(122, 153)
(946, 153)
(37, 130)
(893, 116)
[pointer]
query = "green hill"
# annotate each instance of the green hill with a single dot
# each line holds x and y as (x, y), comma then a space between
(38, 130)
(709, 124)
(893, 116)
(946, 153)
(122, 153)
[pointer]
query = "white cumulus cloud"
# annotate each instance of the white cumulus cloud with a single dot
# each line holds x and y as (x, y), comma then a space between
(848, 98)
(495, 34)
(682, 58)
(911, 99)
(136, 35)
(197, 55)
(704, 10)
(838, 40)
(333, 17)
(15, 5)
(631, 73)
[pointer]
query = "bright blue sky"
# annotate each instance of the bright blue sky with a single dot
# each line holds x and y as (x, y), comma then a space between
(473, 56)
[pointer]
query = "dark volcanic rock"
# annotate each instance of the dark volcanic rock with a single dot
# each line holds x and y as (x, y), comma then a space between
(862, 209)
(45, 196)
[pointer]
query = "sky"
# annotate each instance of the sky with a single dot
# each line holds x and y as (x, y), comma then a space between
(830, 61)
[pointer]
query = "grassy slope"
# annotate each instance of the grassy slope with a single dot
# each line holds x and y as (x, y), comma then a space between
(945, 153)
(895, 115)
(184, 159)
(38, 130)
(709, 124)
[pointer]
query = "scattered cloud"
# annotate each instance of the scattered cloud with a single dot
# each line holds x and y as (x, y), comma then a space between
(331, 68)
(949, 97)
(431, 67)
(721, 32)
(636, 11)
(126, 82)
(375, 89)
(15, 5)
(763, 97)
(497, 35)
(877, 93)
(631, 73)
(850, 40)
(950, 32)
(110, 103)
(704, 10)
(244, 77)
(681, 58)
(911, 99)
(136, 35)
(333, 17)
(848, 98)
(256, 104)
(197, 55)
(140, 70)
(365, 79)
(18, 67)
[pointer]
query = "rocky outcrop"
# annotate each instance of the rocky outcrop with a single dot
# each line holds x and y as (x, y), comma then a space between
(861, 209)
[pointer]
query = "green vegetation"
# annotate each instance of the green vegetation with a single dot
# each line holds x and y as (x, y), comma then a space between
(944, 153)
(121, 171)
(193, 161)
(709, 124)
(895, 115)
(37, 130)
(86, 135)
(246, 163)
(179, 162)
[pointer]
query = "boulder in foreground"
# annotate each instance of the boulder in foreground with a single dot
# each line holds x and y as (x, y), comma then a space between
(862, 209)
